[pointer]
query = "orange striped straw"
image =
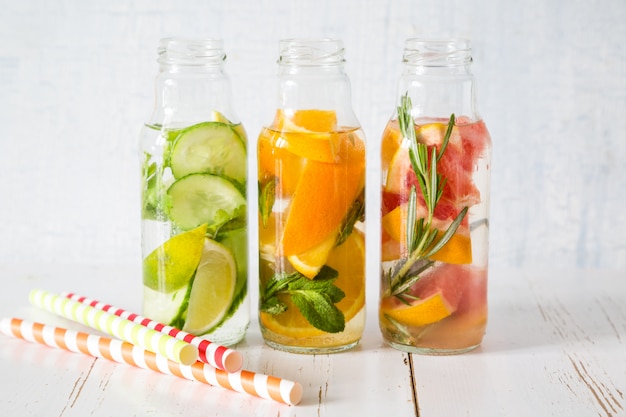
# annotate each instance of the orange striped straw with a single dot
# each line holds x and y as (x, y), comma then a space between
(247, 382)
(214, 354)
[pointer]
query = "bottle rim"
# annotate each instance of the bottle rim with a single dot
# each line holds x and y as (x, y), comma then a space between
(438, 52)
(190, 51)
(311, 52)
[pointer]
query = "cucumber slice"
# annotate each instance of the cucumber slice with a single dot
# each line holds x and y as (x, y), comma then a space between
(204, 198)
(211, 147)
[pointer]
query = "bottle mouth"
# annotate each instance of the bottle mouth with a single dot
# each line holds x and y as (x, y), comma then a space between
(437, 52)
(311, 52)
(182, 51)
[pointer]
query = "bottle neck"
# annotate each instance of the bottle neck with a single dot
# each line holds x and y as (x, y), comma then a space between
(437, 76)
(191, 84)
(311, 76)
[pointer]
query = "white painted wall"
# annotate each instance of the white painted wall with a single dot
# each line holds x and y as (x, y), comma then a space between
(76, 84)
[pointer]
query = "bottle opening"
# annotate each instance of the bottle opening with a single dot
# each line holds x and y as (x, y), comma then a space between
(312, 52)
(437, 52)
(181, 51)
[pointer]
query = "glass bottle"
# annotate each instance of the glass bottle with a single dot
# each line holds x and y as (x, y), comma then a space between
(435, 162)
(311, 166)
(194, 174)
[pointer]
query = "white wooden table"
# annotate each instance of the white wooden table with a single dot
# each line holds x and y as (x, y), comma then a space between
(555, 346)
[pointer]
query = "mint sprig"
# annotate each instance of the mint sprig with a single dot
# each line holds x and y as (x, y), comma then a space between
(315, 298)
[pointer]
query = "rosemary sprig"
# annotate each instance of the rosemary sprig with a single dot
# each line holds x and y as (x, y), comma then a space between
(421, 236)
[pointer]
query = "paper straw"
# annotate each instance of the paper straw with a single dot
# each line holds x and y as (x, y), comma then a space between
(168, 346)
(263, 386)
(214, 354)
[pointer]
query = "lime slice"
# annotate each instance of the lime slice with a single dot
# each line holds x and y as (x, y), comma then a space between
(212, 290)
(237, 242)
(171, 266)
(212, 147)
(204, 198)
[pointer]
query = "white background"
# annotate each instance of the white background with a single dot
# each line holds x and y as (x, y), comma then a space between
(76, 84)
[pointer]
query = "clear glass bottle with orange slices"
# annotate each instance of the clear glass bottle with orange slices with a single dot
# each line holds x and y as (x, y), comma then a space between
(435, 161)
(311, 167)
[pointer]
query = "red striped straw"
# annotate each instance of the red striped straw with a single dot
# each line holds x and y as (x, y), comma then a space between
(214, 354)
(247, 382)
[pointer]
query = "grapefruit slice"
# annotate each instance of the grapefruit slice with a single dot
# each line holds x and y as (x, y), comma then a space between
(439, 293)
(459, 190)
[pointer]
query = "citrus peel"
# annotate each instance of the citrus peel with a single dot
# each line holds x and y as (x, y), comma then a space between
(427, 311)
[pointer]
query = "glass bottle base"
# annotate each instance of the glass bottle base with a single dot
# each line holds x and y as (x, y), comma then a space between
(430, 351)
(317, 342)
(311, 350)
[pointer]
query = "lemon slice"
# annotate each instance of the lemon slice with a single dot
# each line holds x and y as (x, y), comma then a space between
(213, 289)
(171, 266)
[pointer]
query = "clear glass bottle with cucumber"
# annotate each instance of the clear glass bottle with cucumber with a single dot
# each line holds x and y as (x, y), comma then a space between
(194, 177)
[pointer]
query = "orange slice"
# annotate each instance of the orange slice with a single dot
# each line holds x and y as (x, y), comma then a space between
(310, 262)
(278, 162)
(322, 147)
(348, 260)
(394, 223)
(311, 134)
(427, 311)
(390, 143)
(322, 199)
(457, 250)
(312, 120)
(390, 249)
(432, 134)
(400, 171)
(400, 175)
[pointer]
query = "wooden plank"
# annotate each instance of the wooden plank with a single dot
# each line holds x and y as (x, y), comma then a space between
(554, 346)
(371, 379)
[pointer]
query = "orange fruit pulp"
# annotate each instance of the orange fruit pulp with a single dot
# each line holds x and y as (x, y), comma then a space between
(427, 311)
(458, 249)
(348, 259)
(322, 172)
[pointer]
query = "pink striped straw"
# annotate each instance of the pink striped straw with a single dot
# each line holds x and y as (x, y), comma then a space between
(247, 382)
(214, 354)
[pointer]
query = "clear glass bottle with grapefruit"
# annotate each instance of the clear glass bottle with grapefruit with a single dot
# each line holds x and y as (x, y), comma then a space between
(435, 162)
(311, 170)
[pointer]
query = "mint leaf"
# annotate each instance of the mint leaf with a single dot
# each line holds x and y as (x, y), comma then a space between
(273, 306)
(315, 298)
(319, 311)
(323, 283)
